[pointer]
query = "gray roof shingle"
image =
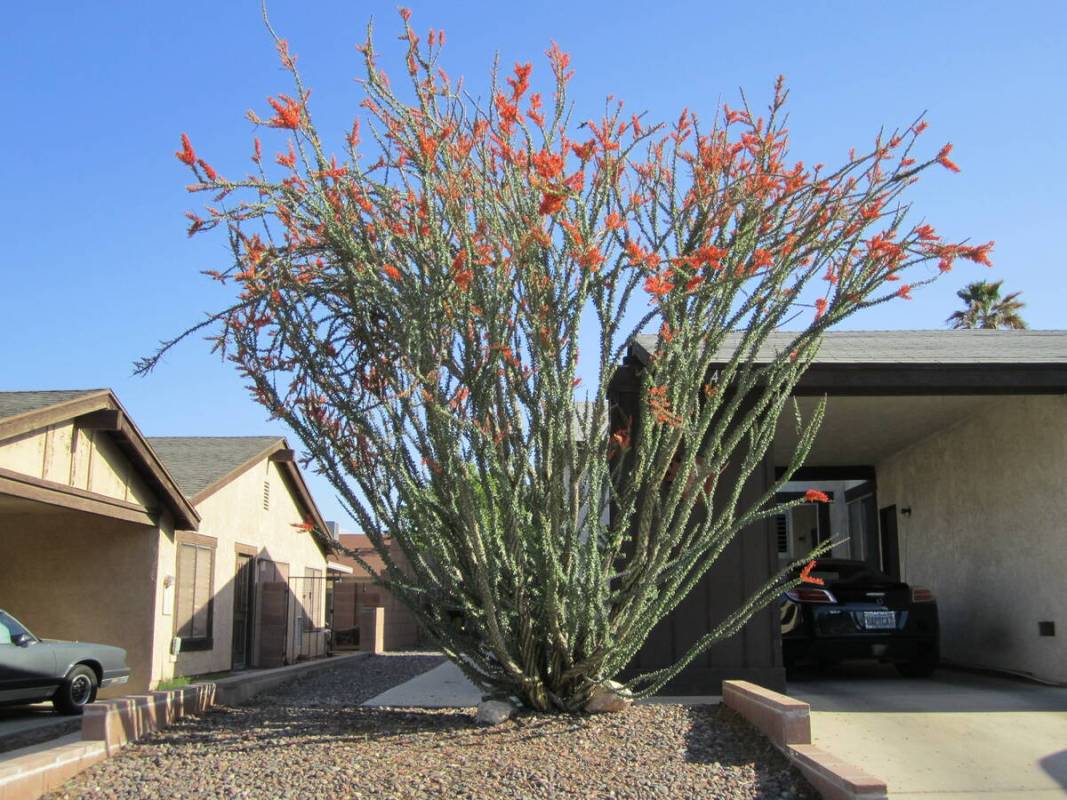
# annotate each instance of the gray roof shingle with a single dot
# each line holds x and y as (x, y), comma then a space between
(15, 403)
(917, 347)
(197, 462)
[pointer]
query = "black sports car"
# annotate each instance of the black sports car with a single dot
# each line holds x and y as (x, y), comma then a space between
(859, 613)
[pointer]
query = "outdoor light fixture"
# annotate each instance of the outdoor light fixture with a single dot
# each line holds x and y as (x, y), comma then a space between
(906, 511)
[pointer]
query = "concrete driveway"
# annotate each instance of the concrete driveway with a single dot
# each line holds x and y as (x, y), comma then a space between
(952, 736)
(25, 725)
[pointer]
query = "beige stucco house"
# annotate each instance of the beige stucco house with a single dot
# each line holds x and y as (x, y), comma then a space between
(187, 551)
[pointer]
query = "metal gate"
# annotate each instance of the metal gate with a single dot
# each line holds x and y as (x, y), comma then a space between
(309, 615)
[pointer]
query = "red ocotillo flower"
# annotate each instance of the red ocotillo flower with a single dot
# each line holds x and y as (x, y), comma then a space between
(945, 161)
(186, 155)
(807, 577)
(815, 496)
(287, 112)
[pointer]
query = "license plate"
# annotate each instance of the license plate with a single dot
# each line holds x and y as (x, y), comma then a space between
(879, 620)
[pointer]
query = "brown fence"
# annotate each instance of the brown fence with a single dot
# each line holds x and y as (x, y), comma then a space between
(351, 594)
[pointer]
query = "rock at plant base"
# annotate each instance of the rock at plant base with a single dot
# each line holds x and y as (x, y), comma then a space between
(608, 698)
(493, 712)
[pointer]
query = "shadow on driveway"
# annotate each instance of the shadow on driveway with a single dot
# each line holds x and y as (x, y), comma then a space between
(22, 726)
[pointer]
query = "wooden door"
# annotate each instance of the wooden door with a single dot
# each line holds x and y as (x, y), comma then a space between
(273, 591)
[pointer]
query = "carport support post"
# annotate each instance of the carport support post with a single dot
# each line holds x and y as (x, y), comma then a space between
(372, 629)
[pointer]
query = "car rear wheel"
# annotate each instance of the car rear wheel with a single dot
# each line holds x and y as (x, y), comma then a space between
(77, 690)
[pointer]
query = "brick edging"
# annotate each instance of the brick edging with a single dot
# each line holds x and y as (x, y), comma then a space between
(786, 721)
(109, 725)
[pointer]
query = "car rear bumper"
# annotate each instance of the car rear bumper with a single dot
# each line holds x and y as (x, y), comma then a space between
(881, 648)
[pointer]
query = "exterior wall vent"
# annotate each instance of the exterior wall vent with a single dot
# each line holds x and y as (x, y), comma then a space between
(781, 530)
(266, 495)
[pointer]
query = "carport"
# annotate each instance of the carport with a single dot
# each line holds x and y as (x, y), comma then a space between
(945, 453)
(83, 503)
(946, 456)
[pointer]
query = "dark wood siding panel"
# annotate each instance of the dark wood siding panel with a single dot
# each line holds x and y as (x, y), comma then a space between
(760, 544)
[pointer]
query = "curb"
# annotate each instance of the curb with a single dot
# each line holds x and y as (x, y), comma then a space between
(240, 688)
(787, 723)
(109, 725)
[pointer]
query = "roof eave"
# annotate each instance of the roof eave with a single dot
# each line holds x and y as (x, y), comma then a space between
(127, 436)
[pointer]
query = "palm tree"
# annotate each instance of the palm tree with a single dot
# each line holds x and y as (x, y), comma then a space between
(986, 308)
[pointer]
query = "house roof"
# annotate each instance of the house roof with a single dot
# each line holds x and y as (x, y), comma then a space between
(204, 464)
(967, 347)
(583, 410)
(23, 412)
(198, 463)
(16, 403)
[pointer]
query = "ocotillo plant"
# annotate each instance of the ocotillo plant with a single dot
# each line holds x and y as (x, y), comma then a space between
(413, 309)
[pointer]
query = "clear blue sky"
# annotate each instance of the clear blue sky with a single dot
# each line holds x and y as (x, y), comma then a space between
(96, 266)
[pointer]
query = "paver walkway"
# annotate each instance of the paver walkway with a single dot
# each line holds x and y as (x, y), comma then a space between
(953, 736)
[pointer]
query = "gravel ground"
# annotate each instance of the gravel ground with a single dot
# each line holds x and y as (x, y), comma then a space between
(310, 739)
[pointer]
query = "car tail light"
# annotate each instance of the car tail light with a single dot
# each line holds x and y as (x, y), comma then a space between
(920, 595)
(809, 594)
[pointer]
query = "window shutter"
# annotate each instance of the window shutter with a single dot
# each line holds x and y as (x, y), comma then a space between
(186, 590)
(202, 596)
(194, 592)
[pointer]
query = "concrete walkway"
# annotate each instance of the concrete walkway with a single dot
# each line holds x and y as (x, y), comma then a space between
(441, 687)
(953, 736)
(446, 687)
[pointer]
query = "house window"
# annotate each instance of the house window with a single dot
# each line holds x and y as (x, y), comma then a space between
(194, 603)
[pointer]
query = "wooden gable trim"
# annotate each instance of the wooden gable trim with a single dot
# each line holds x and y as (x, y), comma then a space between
(296, 485)
(237, 472)
(134, 446)
(284, 458)
(69, 497)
